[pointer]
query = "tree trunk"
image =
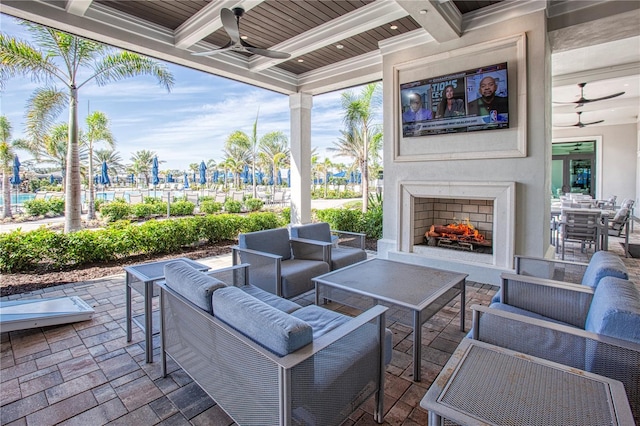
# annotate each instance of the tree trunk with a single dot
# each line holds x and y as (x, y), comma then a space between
(91, 208)
(6, 195)
(73, 199)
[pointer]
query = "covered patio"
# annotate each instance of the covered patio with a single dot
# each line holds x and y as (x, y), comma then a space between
(87, 373)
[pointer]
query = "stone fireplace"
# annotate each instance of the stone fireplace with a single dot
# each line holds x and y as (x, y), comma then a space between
(489, 206)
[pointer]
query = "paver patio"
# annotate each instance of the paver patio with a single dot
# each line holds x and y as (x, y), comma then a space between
(87, 374)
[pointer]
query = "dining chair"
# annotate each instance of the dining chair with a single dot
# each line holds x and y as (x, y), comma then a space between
(582, 226)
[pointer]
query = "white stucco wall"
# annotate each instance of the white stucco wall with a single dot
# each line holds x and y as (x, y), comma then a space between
(619, 159)
(530, 173)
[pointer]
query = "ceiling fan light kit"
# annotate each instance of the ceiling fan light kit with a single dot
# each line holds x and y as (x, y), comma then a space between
(231, 23)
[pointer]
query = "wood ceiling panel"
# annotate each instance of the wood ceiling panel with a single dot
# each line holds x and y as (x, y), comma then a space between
(166, 13)
(467, 6)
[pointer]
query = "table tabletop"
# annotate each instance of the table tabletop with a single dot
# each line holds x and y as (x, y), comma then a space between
(486, 384)
(408, 285)
(154, 271)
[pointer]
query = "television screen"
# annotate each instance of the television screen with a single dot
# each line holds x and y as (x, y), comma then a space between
(464, 101)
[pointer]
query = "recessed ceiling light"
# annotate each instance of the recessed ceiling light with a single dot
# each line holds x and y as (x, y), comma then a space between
(244, 37)
(394, 27)
(339, 46)
(300, 60)
(626, 85)
(423, 12)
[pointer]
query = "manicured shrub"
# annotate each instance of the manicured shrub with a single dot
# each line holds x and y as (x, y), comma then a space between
(56, 206)
(253, 204)
(182, 208)
(210, 207)
(36, 207)
(115, 210)
(342, 219)
(232, 206)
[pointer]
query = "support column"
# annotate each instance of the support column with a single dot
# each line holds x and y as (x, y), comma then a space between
(300, 111)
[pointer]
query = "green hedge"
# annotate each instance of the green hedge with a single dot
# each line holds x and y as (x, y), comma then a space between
(23, 251)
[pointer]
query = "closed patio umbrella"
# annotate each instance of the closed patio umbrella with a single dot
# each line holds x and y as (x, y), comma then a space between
(289, 178)
(186, 181)
(203, 173)
(15, 179)
(279, 178)
(51, 179)
(216, 176)
(170, 178)
(245, 174)
(104, 177)
(154, 172)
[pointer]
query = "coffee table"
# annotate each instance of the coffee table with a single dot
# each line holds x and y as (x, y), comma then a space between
(421, 290)
(148, 273)
(483, 384)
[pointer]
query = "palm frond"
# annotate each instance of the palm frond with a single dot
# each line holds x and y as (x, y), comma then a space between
(121, 65)
(43, 107)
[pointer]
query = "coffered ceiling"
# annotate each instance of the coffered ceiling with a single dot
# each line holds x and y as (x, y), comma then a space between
(336, 44)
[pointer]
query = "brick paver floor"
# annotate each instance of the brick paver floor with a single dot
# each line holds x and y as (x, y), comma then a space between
(87, 374)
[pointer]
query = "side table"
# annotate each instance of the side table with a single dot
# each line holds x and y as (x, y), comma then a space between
(483, 384)
(148, 274)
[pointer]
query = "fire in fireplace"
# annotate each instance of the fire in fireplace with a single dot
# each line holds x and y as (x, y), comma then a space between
(458, 236)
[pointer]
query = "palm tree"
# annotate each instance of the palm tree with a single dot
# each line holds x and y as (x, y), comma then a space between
(97, 130)
(61, 60)
(274, 149)
(6, 162)
(142, 163)
(238, 153)
(360, 131)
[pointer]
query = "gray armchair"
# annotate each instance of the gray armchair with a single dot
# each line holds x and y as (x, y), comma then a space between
(279, 264)
(340, 255)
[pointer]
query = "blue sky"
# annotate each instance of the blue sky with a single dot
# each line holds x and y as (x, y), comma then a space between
(188, 124)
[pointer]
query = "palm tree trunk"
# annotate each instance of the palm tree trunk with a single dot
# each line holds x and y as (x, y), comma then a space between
(73, 200)
(365, 171)
(6, 195)
(91, 207)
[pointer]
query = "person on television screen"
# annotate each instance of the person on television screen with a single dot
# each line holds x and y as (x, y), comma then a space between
(488, 100)
(416, 111)
(450, 106)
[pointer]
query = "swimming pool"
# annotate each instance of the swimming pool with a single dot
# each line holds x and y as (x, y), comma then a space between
(20, 199)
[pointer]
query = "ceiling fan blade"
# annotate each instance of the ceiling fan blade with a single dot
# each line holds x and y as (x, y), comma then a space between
(266, 52)
(615, 95)
(593, 122)
(230, 24)
(224, 48)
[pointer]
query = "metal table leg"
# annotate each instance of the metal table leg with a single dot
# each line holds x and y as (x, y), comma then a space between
(128, 304)
(148, 320)
(417, 345)
(463, 297)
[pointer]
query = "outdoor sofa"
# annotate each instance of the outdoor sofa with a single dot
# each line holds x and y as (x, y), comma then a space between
(266, 360)
(593, 329)
(338, 254)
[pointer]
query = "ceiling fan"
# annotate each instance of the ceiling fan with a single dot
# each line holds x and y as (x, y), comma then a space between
(582, 101)
(231, 22)
(580, 124)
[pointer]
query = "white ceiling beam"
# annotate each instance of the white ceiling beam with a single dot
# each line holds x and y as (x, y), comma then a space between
(207, 21)
(440, 18)
(597, 74)
(77, 7)
(358, 21)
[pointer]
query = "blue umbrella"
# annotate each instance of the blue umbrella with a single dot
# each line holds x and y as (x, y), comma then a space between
(340, 174)
(131, 178)
(154, 172)
(352, 178)
(51, 179)
(271, 178)
(186, 181)
(169, 178)
(216, 176)
(289, 177)
(194, 177)
(15, 179)
(245, 174)
(279, 178)
(104, 178)
(203, 173)
(259, 177)
(96, 179)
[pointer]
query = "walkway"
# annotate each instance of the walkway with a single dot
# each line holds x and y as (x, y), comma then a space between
(87, 374)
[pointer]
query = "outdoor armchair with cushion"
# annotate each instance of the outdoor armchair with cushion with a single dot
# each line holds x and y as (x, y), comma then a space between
(279, 264)
(582, 349)
(340, 256)
(267, 360)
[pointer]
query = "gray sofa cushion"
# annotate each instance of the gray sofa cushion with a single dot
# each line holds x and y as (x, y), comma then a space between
(615, 310)
(313, 231)
(270, 299)
(603, 264)
(271, 328)
(274, 241)
(191, 284)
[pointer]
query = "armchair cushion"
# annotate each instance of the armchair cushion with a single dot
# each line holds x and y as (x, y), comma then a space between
(274, 241)
(271, 328)
(341, 257)
(615, 310)
(297, 275)
(191, 284)
(313, 231)
(603, 264)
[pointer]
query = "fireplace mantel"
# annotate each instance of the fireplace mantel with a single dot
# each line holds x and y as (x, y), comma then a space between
(503, 196)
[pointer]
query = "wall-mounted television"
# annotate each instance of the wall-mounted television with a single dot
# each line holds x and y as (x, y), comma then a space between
(465, 101)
